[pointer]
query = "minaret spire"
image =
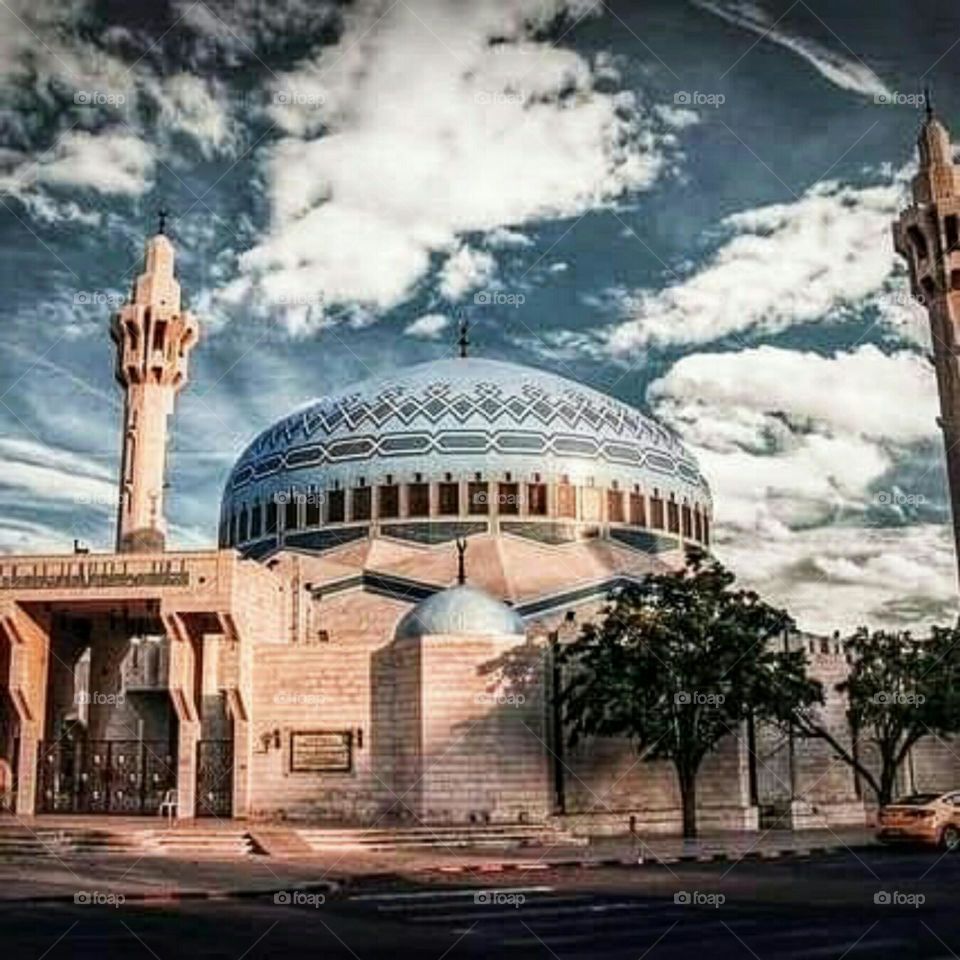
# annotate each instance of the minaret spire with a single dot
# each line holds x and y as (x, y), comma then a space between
(927, 235)
(153, 337)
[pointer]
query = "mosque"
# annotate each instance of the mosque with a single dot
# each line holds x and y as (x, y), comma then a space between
(373, 640)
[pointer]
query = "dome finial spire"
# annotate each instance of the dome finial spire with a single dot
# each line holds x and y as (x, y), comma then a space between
(928, 102)
(464, 341)
(461, 561)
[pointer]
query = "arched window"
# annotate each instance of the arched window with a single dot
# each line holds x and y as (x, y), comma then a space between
(419, 499)
(389, 497)
(656, 511)
(673, 515)
(291, 511)
(449, 498)
(336, 506)
(314, 500)
(537, 499)
(918, 241)
(615, 513)
(478, 497)
(361, 503)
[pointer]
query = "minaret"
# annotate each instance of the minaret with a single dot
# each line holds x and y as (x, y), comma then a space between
(154, 339)
(928, 236)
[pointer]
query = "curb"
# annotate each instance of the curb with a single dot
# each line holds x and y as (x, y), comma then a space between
(329, 888)
(754, 856)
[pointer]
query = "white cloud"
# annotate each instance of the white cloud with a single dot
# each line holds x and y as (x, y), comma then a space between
(429, 326)
(786, 263)
(197, 108)
(241, 31)
(860, 393)
(35, 472)
(40, 42)
(30, 537)
(795, 446)
(429, 132)
(104, 110)
(837, 578)
(843, 71)
(678, 118)
(466, 270)
(112, 163)
(504, 238)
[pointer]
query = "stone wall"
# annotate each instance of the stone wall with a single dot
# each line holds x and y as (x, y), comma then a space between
(607, 784)
(482, 755)
(336, 684)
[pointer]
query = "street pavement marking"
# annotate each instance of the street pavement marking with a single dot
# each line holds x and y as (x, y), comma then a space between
(635, 934)
(447, 904)
(522, 913)
(429, 894)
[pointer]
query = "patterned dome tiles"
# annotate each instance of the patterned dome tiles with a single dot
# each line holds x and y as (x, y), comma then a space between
(468, 406)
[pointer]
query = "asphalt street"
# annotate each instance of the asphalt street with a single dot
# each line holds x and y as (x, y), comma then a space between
(878, 903)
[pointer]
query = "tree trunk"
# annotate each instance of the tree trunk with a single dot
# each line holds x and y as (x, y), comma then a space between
(688, 799)
(888, 776)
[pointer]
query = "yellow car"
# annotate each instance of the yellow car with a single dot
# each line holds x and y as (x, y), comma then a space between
(931, 818)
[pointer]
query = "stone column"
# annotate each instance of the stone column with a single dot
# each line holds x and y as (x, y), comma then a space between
(29, 641)
(241, 752)
(183, 668)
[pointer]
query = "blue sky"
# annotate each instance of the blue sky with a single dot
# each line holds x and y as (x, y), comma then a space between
(684, 204)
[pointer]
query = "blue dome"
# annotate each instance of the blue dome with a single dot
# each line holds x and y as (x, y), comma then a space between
(461, 611)
(460, 417)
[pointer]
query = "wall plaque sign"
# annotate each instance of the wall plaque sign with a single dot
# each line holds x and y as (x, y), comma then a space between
(321, 751)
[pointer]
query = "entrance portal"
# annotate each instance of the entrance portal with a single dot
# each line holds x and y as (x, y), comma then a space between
(105, 776)
(214, 778)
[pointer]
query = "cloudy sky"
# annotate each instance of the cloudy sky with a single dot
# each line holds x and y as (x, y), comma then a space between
(691, 200)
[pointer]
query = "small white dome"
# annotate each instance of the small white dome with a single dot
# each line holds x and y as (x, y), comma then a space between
(461, 610)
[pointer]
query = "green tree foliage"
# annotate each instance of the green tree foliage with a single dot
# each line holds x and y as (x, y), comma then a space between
(679, 661)
(898, 690)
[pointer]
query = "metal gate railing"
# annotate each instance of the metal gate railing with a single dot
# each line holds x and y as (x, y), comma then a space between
(105, 776)
(214, 778)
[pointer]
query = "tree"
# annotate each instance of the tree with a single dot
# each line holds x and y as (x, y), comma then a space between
(898, 690)
(678, 661)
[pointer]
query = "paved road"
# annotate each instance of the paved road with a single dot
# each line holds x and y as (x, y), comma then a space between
(556, 924)
(822, 908)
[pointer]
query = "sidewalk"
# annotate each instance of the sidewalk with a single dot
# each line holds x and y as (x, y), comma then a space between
(730, 846)
(160, 879)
